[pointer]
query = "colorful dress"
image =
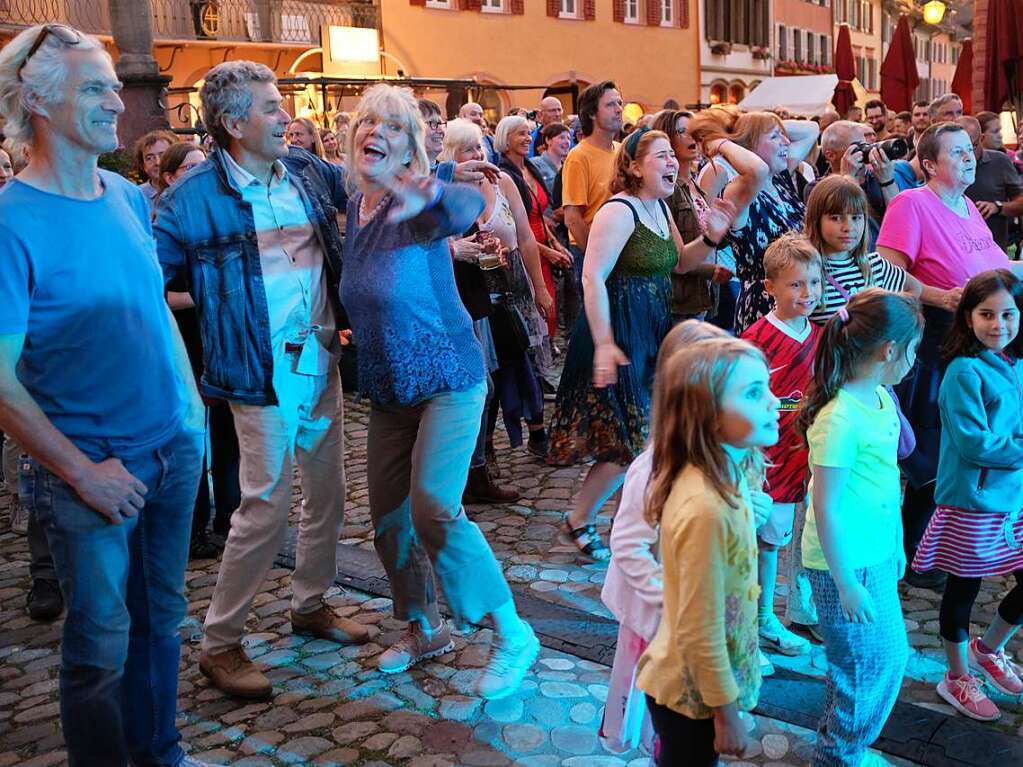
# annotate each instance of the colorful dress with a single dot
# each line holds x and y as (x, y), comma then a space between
(611, 424)
(766, 221)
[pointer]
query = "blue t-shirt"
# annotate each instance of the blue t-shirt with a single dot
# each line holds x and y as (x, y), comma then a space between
(80, 280)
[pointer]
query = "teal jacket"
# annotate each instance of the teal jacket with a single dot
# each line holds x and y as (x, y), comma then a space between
(981, 463)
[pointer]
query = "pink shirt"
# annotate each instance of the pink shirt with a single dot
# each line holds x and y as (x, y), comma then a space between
(944, 250)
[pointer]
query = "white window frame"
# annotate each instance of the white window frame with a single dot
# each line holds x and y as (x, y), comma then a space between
(824, 55)
(441, 5)
(563, 9)
(667, 12)
(797, 46)
(492, 6)
(631, 10)
(783, 43)
(811, 48)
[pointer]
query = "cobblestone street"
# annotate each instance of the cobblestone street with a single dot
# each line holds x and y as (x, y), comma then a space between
(331, 705)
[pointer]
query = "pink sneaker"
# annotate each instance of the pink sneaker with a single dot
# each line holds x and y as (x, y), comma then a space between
(966, 697)
(999, 671)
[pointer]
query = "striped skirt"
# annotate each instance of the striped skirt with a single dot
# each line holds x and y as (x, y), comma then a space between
(971, 544)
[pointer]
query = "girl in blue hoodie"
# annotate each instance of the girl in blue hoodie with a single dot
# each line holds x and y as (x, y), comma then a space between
(977, 529)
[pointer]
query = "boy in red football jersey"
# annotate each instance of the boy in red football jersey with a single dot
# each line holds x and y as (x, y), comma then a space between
(793, 270)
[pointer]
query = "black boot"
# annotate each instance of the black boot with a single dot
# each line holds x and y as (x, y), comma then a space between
(538, 443)
(480, 488)
(45, 602)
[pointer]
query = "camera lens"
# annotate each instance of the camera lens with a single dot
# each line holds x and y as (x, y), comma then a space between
(894, 148)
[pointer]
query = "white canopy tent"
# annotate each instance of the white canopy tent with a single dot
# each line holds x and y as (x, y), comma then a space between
(805, 95)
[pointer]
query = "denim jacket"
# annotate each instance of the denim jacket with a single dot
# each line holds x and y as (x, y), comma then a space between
(981, 463)
(206, 236)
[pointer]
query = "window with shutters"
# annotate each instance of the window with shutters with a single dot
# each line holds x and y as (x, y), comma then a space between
(738, 21)
(955, 54)
(667, 13)
(492, 6)
(569, 9)
(797, 45)
(825, 50)
(811, 58)
(783, 43)
(632, 11)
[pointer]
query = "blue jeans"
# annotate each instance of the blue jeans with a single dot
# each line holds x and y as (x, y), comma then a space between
(124, 587)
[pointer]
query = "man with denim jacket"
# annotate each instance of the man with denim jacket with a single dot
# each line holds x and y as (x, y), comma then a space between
(254, 232)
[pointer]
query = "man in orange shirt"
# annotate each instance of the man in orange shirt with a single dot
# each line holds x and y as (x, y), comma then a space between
(588, 169)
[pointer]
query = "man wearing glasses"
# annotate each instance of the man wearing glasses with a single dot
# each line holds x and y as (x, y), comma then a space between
(997, 188)
(96, 386)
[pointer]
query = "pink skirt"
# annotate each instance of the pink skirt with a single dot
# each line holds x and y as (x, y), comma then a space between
(971, 544)
(626, 724)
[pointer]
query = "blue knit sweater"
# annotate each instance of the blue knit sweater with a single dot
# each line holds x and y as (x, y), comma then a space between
(414, 336)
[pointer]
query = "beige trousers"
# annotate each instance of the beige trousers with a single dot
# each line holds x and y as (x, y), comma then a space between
(305, 430)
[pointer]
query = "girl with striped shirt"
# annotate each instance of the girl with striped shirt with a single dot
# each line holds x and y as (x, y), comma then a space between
(836, 224)
(976, 531)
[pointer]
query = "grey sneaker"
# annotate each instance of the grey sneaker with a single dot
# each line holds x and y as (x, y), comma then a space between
(19, 518)
(414, 646)
(508, 666)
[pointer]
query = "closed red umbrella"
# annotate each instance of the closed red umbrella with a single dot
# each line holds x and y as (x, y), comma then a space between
(1004, 55)
(898, 72)
(845, 68)
(962, 81)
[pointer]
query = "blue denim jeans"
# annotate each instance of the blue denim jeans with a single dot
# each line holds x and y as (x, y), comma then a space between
(124, 587)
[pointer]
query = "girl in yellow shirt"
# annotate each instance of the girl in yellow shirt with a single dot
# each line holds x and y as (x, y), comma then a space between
(702, 667)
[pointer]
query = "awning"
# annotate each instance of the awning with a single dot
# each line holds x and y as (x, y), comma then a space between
(806, 95)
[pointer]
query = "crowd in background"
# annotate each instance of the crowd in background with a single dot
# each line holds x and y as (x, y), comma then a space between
(767, 332)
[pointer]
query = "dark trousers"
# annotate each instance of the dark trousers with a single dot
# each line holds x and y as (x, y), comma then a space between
(221, 459)
(917, 510)
(681, 740)
(957, 604)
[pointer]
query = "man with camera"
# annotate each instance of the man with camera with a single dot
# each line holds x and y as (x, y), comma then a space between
(997, 187)
(877, 168)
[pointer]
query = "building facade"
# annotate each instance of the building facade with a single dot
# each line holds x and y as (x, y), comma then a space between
(735, 48)
(558, 47)
(864, 20)
(804, 33)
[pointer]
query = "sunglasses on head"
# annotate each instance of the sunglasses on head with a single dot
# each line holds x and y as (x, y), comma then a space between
(67, 35)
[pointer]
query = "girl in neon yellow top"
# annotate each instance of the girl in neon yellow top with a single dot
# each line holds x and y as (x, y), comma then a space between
(714, 408)
(852, 541)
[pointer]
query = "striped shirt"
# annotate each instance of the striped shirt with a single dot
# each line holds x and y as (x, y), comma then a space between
(846, 272)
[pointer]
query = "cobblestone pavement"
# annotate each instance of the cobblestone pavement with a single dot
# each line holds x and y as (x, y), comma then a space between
(331, 705)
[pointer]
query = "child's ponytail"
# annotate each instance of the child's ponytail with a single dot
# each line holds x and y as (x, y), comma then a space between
(871, 319)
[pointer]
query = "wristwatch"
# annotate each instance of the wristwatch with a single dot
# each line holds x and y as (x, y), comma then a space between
(999, 204)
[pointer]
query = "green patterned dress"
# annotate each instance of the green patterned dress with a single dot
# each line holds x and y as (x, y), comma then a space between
(612, 424)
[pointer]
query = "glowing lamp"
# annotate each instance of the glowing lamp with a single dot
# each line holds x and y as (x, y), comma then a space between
(934, 12)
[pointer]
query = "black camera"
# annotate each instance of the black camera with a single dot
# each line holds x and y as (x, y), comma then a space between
(893, 148)
(531, 115)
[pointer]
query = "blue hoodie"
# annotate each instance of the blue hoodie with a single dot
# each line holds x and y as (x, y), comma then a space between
(981, 462)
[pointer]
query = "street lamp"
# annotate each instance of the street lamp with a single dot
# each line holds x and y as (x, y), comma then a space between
(934, 12)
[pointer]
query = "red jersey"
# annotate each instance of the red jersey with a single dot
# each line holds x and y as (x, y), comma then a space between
(790, 360)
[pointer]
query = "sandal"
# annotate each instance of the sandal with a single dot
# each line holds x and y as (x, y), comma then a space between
(587, 540)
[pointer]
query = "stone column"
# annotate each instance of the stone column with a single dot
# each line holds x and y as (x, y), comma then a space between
(132, 25)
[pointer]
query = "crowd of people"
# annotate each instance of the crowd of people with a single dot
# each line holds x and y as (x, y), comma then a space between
(767, 332)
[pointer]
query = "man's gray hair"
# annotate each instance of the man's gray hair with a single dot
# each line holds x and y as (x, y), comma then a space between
(839, 135)
(226, 93)
(41, 80)
(939, 102)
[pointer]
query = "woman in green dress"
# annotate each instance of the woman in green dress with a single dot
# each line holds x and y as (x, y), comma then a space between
(602, 408)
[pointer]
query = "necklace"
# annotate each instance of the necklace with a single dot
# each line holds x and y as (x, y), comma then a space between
(653, 217)
(364, 217)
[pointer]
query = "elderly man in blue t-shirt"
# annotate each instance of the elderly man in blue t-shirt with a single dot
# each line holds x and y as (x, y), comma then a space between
(96, 387)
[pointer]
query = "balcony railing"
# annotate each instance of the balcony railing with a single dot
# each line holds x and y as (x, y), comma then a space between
(270, 21)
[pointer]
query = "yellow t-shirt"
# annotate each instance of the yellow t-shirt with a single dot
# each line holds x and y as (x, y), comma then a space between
(846, 434)
(705, 653)
(586, 178)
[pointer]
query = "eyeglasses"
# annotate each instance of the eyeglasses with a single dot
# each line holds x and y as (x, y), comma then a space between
(436, 124)
(67, 35)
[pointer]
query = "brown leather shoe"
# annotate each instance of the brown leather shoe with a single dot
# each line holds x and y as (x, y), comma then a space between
(233, 672)
(481, 488)
(325, 624)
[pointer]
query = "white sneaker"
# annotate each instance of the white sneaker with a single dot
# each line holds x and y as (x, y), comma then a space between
(766, 667)
(799, 605)
(774, 636)
(508, 665)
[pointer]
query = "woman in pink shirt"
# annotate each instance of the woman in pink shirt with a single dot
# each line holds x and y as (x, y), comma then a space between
(936, 234)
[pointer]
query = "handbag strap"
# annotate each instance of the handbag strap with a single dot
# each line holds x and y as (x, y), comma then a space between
(841, 290)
